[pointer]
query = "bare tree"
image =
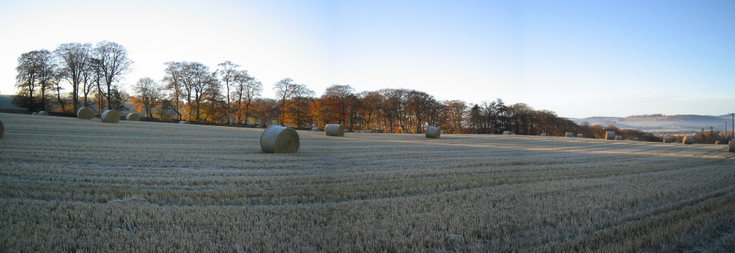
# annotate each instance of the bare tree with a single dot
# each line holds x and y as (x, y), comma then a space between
(113, 62)
(172, 79)
(30, 68)
(227, 73)
(47, 76)
(149, 93)
(195, 78)
(57, 87)
(74, 60)
(287, 89)
(246, 89)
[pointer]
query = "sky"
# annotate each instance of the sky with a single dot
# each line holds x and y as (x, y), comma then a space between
(577, 58)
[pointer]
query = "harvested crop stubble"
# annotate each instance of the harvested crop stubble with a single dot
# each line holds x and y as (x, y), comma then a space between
(279, 139)
(195, 188)
(433, 132)
(132, 117)
(85, 113)
(334, 130)
(111, 116)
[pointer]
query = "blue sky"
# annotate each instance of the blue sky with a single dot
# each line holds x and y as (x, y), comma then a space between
(578, 58)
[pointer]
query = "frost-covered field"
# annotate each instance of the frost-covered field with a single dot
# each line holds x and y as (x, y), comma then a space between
(71, 184)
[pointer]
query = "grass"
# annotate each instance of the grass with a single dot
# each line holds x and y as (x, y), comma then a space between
(81, 185)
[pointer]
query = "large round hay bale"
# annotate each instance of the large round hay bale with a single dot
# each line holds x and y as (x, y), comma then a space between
(132, 116)
(618, 137)
(334, 130)
(506, 132)
(433, 132)
(609, 135)
(43, 113)
(279, 139)
(34, 113)
(85, 113)
(543, 134)
(580, 135)
(732, 143)
(667, 139)
(316, 129)
(569, 134)
(2, 129)
(687, 140)
(111, 116)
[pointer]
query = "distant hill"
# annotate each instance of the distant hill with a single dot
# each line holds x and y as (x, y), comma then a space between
(663, 124)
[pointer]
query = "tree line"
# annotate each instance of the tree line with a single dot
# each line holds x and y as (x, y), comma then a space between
(229, 95)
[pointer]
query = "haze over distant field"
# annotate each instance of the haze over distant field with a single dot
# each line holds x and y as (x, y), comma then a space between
(577, 58)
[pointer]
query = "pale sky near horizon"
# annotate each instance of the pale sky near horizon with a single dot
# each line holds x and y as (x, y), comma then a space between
(577, 58)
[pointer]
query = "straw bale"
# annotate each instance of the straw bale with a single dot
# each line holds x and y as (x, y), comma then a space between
(132, 116)
(433, 132)
(85, 113)
(334, 130)
(111, 116)
(279, 139)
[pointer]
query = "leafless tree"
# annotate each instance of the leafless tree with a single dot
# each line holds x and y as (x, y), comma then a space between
(246, 90)
(149, 93)
(227, 73)
(287, 89)
(195, 78)
(113, 62)
(31, 67)
(172, 79)
(75, 58)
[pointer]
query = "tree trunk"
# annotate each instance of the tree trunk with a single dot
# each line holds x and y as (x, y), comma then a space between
(109, 101)
(58, 97)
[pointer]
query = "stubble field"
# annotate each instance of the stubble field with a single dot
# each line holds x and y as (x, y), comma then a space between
(77, 185)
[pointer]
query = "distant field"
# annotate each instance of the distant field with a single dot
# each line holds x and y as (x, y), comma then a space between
(71, 185)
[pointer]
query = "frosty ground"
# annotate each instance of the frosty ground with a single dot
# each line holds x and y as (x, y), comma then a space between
(70, 184)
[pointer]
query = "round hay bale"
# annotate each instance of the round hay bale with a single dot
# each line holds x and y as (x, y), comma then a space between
(132, 116)
(43, 113)
(34, 113)
(2, 129)
(279, 139)
(85, 113)
(182, 122)
(316, 129)
(111, 116)
(334, 130)
(687, 140)
(506, 132)
(609, 135)
(543, 134)
(618, 137)
(433, 132)
(732, 144)
(568, 134)
(580, 135)
(667, 139)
